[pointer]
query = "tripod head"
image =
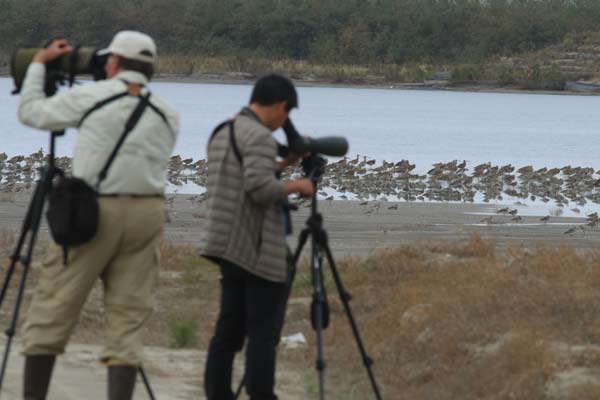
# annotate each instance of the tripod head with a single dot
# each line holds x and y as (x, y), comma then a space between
(314, 167)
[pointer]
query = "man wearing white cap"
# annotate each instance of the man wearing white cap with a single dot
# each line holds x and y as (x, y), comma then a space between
(124, 254)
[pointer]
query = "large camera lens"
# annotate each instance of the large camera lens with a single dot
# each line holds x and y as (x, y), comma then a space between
(335, 146)
(82, 61)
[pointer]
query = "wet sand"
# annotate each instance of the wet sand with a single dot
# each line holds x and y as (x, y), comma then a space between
(358, 230)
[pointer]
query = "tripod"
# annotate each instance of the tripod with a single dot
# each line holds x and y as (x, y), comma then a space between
(31, 226)
(30, 229)
(314, 168)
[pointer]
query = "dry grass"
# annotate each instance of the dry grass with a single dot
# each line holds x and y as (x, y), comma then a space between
(249, 67)
(188, 291)
(458, 320)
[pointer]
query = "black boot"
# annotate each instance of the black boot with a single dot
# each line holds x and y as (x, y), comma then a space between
(36, 378)
(121, 382)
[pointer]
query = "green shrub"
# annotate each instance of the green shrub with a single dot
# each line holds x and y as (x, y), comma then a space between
(544, 77)
(506, 75)
(466, 73)
(183, 333)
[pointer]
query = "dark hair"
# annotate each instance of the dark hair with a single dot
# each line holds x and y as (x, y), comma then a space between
(273, 88)
(135, 65)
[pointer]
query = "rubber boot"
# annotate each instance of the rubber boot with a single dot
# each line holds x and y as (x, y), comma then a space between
(121, 382)
(36, 378)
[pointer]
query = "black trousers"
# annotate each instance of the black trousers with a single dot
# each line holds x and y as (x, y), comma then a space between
(253, 308)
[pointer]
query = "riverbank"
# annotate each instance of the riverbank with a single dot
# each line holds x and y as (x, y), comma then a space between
(246, 78)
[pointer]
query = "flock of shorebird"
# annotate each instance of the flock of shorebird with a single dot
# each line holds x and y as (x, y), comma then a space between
(365, 179)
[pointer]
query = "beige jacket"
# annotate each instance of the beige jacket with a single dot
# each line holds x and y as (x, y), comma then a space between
(141, 164)
(244, 212)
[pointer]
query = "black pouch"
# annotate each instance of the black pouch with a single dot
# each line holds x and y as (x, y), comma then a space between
(73, 212)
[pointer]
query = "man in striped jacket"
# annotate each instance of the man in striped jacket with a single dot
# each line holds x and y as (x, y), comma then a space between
(245, 236)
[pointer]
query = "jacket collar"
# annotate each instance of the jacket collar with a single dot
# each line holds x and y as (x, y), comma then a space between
(133, 77)
(247, 112)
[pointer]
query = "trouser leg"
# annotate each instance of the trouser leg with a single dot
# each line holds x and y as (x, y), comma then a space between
(229, 335)
(130, 281)
(129, 284)
(121, 382)
(62, 290)
(36, 377)
(265, 310)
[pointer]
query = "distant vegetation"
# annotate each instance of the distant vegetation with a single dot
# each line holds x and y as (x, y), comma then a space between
(241, 34)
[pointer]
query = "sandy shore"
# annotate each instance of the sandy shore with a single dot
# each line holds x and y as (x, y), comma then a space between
(356, 229)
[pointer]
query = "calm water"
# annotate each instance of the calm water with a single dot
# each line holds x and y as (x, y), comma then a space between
(422, 126)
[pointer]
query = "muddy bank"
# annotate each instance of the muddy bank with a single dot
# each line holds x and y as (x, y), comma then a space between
(358, 230)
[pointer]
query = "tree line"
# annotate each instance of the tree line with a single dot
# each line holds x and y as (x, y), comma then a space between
(361, 32)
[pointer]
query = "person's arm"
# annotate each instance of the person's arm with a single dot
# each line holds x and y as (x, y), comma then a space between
(303, 186)
(58, 112)
(290, 159)
(259, 174)
(259, 165)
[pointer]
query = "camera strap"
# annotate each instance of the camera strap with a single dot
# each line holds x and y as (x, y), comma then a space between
(234, 146)
(129, 125)
(101, 104)
(117, 96)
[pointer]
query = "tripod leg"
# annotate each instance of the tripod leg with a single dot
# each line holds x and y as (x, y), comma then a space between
(146, 383)
(318, 312)
(22, 237)
(31, 224)
(238, 392)
(7, 279)
(10, 332)
(301, 242)
(345, 297)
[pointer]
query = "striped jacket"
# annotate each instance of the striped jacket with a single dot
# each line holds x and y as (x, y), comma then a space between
(245, 218)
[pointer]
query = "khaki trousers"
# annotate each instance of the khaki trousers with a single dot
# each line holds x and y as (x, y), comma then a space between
(125, 256)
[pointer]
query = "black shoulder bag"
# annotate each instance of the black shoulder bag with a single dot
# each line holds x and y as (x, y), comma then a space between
(73, 211)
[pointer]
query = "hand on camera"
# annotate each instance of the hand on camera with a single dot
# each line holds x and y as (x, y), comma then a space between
(292, 159)
(56, 49)
(304, 187)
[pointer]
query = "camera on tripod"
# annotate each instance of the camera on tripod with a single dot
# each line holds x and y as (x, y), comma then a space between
(81, 61)
(313, 165)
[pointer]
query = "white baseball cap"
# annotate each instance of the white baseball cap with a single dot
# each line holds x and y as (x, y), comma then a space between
(133, 45)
